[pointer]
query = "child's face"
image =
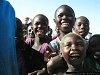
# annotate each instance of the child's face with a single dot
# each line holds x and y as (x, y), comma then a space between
(95, 48)
(73, 50)
(64, 19)
(30, 32)
(40, 26)
(81, 26)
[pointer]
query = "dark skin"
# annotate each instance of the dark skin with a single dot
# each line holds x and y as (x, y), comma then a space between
(40, 28)
(72, 54)
(94, 48)
(81, 26)
(56, 66)
(64, 19)
(73, 51)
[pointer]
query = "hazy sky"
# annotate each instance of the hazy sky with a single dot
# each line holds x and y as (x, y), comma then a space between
(88, 8)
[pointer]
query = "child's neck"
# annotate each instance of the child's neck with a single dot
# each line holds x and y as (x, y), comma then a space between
(38, 42)
(77, 68)
(62, 34)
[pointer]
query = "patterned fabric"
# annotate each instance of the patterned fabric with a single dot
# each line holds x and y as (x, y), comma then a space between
(8, 60)
(55, 45)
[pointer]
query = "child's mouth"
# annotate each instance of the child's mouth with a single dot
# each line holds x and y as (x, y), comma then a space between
(75, 56)
(65, 24)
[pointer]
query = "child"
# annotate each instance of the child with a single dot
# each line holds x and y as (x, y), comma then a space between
(93, 53)
(20, 48)
(30, 36)
(81, 26)
(64, 18)
(73, 51)
(40, 27)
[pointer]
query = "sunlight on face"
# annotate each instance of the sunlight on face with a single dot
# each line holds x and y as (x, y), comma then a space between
(73, 49)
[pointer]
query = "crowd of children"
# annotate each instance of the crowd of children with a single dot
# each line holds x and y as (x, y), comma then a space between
(67, 53)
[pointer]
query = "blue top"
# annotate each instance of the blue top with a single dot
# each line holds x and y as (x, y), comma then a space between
(8, 60)
(55, 45)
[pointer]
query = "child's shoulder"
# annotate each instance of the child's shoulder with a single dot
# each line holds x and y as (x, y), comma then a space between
(56, 65)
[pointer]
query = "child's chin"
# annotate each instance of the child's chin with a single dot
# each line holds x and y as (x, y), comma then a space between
(75, 61)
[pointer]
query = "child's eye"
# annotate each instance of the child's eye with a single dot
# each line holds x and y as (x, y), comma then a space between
(68, 45)
(79, 24)
(86, 25)
(79, 44)
(60, 15)
(37, 23)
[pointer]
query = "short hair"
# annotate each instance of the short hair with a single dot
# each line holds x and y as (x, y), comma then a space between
(64, 6)
(71, 34)
(42, 16)
(84, 18)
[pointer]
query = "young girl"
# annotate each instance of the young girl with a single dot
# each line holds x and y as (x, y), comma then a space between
(40, 27)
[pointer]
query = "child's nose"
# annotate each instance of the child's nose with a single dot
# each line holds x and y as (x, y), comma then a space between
(39, 25)
(73, 47)
(64, 17)
(82, 26)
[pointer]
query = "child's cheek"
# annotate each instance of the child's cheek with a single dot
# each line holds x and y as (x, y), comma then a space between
(66, 53)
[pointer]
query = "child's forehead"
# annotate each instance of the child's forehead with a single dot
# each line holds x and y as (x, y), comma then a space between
(67, 9)
(39, 17)
(70, 38)
(83, 19)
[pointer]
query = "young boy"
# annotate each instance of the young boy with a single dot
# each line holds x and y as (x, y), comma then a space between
(73, 51)
(81, 26)
(64, 18)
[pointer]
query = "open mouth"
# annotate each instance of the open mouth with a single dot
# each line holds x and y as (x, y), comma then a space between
(65, 24)
(75, 56)
(40, 31)
(82, 31)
